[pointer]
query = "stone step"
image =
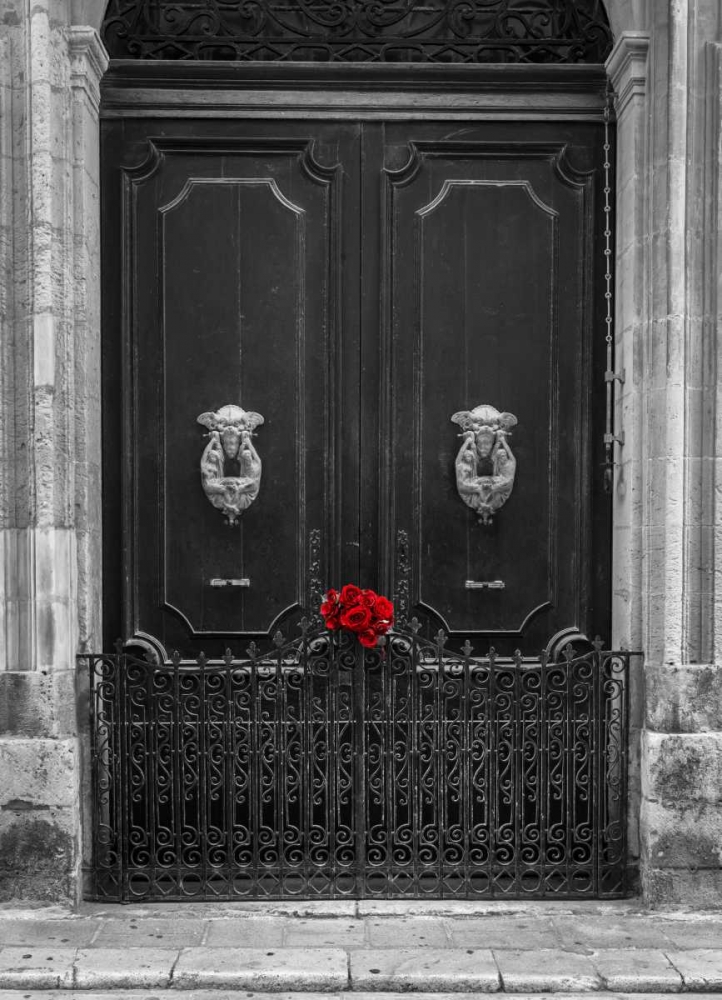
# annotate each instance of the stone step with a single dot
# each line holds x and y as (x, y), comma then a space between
(374, 971)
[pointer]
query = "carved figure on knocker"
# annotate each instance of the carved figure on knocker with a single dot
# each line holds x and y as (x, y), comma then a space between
(485, 463)
(230, 438)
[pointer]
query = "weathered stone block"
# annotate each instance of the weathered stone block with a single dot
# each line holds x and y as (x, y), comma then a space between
(683, 699)
(701, 888)
(38, 855)
(688, 837)
(38, 773)
(38, 704)
(681, 818)
(681, 768)
(39, 819)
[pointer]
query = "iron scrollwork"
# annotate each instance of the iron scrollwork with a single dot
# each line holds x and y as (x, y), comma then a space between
(270, 775)
(485, 464)
(476, 31)
(230, 431)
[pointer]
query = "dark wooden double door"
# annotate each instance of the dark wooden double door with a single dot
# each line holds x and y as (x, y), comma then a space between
(357, 284)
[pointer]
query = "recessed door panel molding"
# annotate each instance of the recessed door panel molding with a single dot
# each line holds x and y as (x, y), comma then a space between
(490, 302)
(232, 301)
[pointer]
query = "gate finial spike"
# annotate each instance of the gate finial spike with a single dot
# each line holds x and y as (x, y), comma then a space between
(440, 638)
(598, 643)
(278, 639)
(252, 650)
(118, 644)
(568, 652)
(492, 656)
(175, 658)
(304, 625)
(414, 625)
(467, 649)
(544, 657)
(228, 657)
(201, 660)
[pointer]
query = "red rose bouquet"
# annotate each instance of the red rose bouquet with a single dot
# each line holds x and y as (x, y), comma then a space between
(364, 612)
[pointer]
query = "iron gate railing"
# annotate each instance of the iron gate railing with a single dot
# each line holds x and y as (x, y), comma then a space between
(319, 769)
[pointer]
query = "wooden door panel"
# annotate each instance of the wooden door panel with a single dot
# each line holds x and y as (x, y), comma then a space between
(233, 332)
(234, 298)
(491, 303)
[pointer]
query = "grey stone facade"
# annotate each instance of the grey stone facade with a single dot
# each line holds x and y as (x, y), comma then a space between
(666, 69)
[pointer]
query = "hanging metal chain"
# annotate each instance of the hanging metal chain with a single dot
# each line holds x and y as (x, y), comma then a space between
(610, 376)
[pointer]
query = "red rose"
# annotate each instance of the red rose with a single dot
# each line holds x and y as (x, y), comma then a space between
(383, 608)
(357, 618)
(381, 628)
(329, 608)
(368, 638)
(333, 622)
(349, 594)
(368, 598)
(332, 595)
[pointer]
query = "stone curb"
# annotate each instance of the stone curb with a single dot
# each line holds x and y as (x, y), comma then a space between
(377, 971)
(243, 995)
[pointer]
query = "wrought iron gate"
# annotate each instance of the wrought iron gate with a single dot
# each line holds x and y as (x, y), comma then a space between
(317, 769)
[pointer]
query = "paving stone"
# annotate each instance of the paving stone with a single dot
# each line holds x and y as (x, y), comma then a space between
(182, 995)
(431, 969)
(36, 968)
(318, 933)
(694, 934)
(503, 932)
(545, 970)
(150, 933)
(127, 968)
(593, 933)
(299, 908)
(70, 933)
(701, 968)
(637, 970)
(403, 932)
(235, 995)
(437, 907)
(323, 969)
(252, 932)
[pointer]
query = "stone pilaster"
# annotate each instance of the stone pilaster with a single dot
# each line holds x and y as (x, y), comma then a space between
(681, 776)
(627, 68)
(49, 425)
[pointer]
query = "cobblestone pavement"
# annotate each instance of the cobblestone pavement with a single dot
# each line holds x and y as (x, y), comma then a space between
(374, 948)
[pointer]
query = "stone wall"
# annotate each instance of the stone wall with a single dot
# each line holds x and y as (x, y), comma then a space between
(49, 434)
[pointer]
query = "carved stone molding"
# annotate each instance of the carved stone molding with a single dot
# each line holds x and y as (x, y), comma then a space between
(627, 68)
(230, 432)
(485, 464)
(88, 62)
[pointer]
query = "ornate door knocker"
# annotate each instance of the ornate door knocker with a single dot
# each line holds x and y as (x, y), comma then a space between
(485, 465)
(230, 432)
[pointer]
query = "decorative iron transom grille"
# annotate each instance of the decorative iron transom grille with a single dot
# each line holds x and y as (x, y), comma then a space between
(450, 31)
(318, 769)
